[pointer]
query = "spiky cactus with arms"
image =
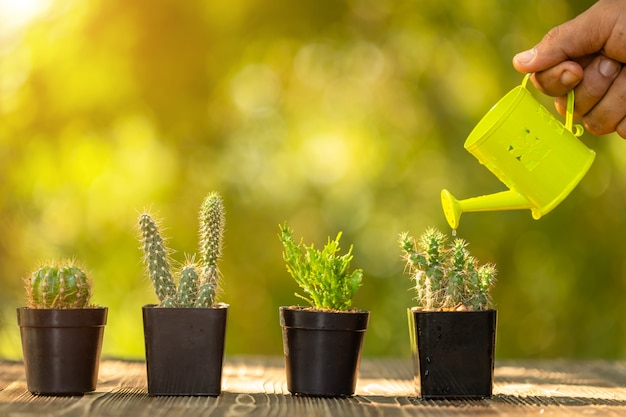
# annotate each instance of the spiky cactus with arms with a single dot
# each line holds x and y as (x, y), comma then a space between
(447, 276)
(198, 282)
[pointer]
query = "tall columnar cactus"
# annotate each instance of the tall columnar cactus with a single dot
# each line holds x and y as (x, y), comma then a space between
(197, 283)
(187, 286)
(59, 286)
(156, 258)
(212, 222)
(447, 277)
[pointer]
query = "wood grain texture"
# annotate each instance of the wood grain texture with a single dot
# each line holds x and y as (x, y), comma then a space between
(255, 386)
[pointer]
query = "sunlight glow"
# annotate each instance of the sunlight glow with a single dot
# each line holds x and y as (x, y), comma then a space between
(15, 14)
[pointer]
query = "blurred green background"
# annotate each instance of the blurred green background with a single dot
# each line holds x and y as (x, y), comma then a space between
(332, 115)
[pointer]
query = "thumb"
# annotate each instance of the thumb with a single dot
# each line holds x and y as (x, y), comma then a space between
(586, 34)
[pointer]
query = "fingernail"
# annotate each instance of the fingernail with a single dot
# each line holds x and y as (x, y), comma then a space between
(569, 79)
(526, 56)
(609, 68)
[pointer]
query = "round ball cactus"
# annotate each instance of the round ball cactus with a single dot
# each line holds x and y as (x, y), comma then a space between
(59, 286)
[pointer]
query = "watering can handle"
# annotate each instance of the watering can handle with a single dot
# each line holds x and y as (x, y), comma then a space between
(569, 111)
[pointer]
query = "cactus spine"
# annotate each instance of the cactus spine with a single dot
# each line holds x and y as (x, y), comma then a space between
(447, 277)
(197, 283)
(59, 286)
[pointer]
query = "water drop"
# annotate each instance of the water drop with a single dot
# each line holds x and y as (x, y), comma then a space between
(453, 232)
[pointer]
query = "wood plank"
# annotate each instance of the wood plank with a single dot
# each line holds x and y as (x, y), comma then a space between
(255, 386)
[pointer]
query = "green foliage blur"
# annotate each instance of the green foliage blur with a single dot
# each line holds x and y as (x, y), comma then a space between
(331, 115)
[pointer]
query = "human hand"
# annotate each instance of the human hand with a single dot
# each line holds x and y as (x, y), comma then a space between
(585, 54)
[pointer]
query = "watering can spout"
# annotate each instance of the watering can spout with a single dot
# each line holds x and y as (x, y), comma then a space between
(505, 200)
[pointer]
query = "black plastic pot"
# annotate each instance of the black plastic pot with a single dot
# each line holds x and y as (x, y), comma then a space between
(184, 349)
(322, 350)
(61, 348)
(453, 352)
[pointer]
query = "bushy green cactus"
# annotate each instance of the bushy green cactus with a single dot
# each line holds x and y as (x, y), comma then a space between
(198, 282)
(59, 285)
(447, 277)
(322, 275)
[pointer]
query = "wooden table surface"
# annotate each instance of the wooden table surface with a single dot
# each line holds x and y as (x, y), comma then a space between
(255, 386)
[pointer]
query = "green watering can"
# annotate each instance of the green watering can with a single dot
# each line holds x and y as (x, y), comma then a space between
(538, 158)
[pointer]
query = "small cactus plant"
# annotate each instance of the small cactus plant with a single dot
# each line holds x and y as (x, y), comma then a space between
(59, 285)
(322, 275)
(447, 276)
(198, 282)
